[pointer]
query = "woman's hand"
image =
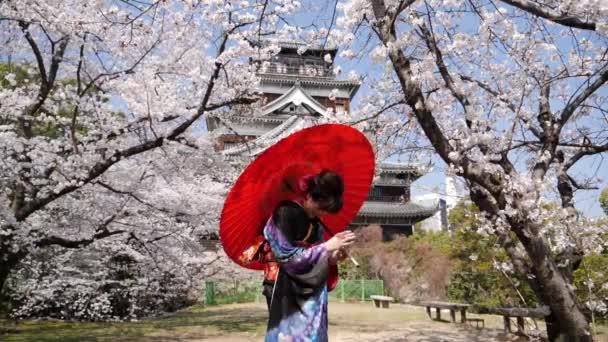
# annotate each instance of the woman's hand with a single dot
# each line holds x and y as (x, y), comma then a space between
(340, 240)
(338, 256)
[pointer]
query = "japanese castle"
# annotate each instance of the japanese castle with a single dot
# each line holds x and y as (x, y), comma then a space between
(300, 89)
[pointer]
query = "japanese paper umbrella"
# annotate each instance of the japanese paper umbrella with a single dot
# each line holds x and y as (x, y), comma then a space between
(273, 177)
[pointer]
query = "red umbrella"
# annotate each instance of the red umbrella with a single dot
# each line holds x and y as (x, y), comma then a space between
(273, 177)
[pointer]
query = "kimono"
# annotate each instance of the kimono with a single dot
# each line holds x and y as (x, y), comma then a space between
(260, 250)
(298, 310)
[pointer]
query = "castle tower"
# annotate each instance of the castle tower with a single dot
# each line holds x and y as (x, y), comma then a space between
(300, 86)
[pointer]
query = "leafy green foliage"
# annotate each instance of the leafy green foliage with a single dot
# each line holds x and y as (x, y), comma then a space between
(463, 266)
(54, 119)
(481, 273)
(604, 200)
(13, 76)
(590, 280)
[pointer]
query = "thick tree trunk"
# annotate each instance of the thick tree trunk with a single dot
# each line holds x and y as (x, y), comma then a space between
(567, 319)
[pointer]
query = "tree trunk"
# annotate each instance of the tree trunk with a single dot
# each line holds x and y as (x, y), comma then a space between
(567, 319)
(552, 327)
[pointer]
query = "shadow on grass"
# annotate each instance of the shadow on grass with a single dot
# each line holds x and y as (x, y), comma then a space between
(195, 321)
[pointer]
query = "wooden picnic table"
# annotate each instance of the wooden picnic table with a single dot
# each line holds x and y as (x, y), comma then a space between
(382, 300)
(453, 307)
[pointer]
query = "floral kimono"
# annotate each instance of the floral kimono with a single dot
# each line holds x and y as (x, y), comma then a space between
(298, 311)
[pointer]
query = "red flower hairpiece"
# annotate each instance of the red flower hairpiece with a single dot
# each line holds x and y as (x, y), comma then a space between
(303, 182)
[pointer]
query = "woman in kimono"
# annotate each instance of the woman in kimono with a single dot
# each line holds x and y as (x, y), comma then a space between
(298, 309)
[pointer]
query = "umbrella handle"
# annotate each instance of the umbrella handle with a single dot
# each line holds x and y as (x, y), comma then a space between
(353, 260)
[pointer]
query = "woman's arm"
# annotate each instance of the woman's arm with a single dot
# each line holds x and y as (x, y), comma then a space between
(280, 234)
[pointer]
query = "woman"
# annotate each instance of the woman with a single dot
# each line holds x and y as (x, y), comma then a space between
(298, 309)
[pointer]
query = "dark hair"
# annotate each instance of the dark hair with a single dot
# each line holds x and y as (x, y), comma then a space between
(292, 220)
(326, 189)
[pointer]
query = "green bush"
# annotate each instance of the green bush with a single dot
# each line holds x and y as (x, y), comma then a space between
(481, 272)
(604, 200)
(590, 279)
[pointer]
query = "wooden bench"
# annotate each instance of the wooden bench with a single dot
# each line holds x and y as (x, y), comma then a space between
(453, 307)
(382, 301)
(477, 321)
(519, 313)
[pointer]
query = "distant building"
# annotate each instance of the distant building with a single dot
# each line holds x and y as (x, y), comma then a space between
(446, 199)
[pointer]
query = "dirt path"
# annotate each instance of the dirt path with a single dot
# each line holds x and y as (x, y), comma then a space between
(247, 322)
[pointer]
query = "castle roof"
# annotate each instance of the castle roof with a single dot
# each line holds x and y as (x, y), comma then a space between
(295, 45)
(398, 209)
(257, 146)
(309, 81)
(297, 97)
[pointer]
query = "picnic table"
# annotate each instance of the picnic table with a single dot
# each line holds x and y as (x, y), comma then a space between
(382, 300)
(453, 307)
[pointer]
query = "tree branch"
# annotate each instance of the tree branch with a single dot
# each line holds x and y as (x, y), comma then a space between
(412, 92)
(47, 79)
(210, 85)
(429, 38)
(37, 54)
(378, 113)
(415, 99)
(545, 118)
(501, 98)
(587, 151)
(538, 10)
(578, 100)
(103, 232)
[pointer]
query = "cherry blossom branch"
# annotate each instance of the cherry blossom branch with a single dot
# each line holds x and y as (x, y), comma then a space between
(103, 232)
(100, 167)
(415, 99)
(48, 79)
(37, 54)
(588, 150)
(572, 105)
(429, 37)
(538, 10)
(378, 113)
(502, 99)
(214, 76)
(412, 92)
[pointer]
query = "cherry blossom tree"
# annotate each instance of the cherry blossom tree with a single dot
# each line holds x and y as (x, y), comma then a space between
(511, 95)
(100, 135)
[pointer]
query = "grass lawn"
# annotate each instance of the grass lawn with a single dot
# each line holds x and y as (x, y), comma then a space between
(247, 322)
(194, 322)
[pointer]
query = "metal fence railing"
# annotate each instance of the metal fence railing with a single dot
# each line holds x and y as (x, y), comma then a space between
(228, 292)
(349, 289)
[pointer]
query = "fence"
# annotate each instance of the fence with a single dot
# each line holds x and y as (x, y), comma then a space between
(226, 292)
